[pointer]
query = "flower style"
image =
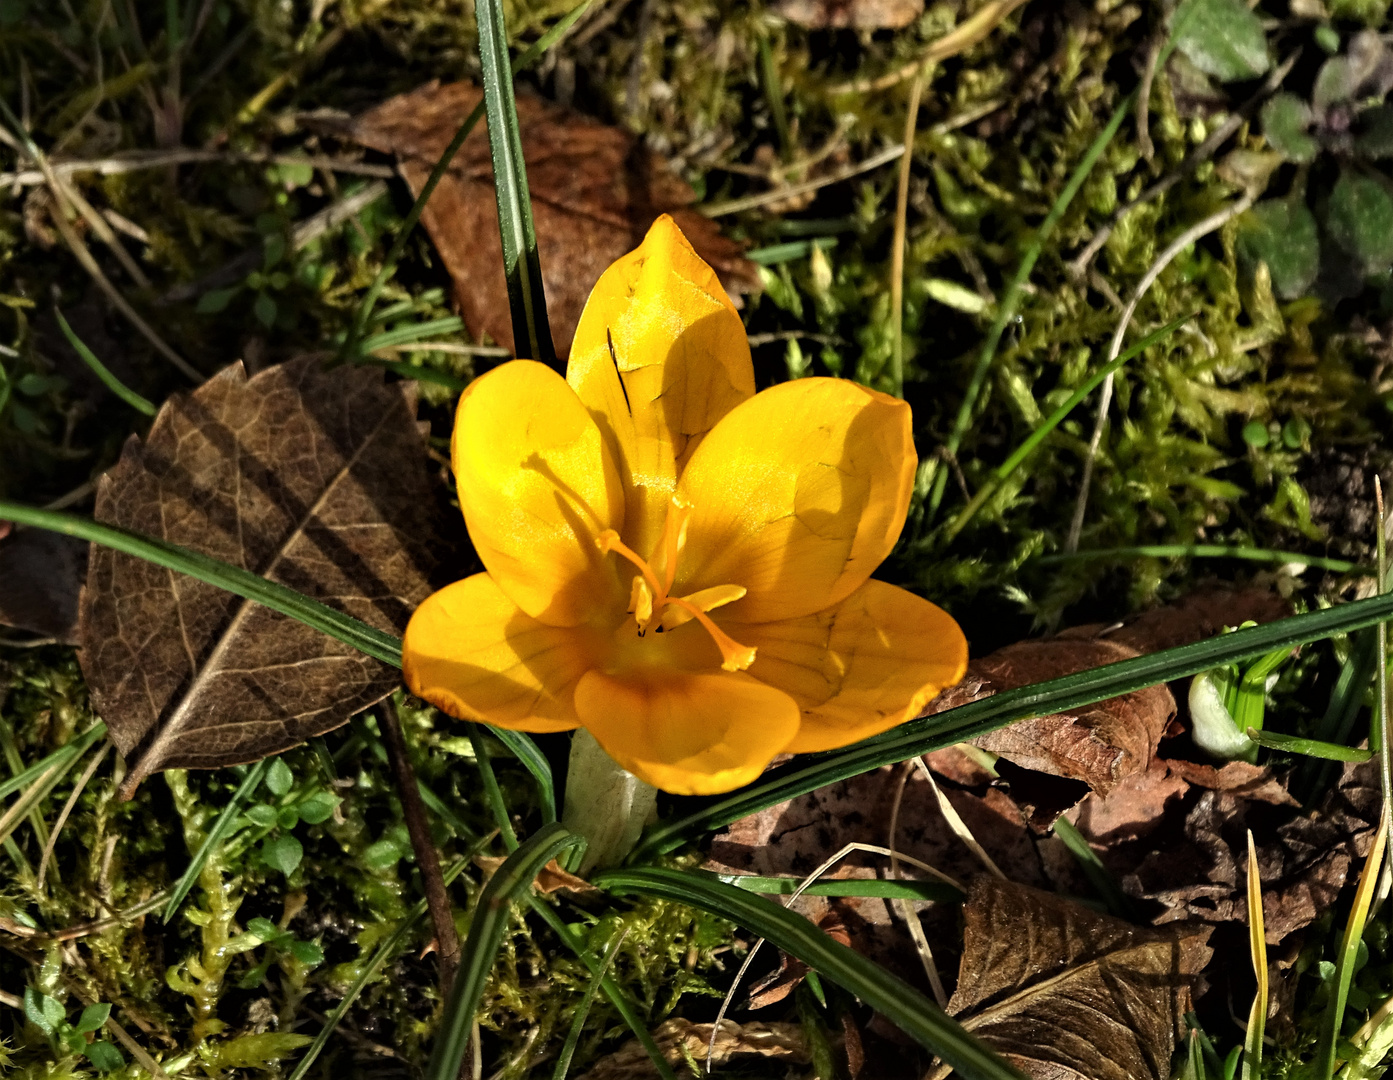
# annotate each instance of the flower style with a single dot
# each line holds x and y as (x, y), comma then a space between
(674, 562)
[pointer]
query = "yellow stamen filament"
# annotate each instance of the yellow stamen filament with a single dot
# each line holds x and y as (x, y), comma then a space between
(649, 599)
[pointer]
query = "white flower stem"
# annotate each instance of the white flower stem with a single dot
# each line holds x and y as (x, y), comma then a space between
(604, 804)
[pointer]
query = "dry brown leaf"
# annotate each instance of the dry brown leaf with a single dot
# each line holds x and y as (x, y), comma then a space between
(681, 1040)
(1065, 993)
(595, 190)
(549, 879)
(314, 479)
(856, 14)
(40, 575)
(1103, 743)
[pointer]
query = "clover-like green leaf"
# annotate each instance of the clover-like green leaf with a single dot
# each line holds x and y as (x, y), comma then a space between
(1282, 233)
(1222, 38)
(1360, 219)
(1286, 121)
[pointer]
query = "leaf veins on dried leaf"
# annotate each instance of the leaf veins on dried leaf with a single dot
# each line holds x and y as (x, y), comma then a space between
(595, 190)
(1065, 993)
(314, 479)
(1100, 744)
(682, 1041)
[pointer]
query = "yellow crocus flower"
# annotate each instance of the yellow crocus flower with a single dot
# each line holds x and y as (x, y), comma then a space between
(674, 562)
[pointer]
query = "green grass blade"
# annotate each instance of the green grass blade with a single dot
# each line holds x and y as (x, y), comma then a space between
(967, 721)
(345, 628)
(100, 370)
(1099, 876)
(1336, 725)
(531, 756)
(568, 1048)
(492, 791)
(215, 836)
(611, 989)
(1206, 551)
(1294, 744)
(1036, 437)
(385, 952)
(521, 265)
(420, 374)
(404, 335)
(62, 755)
(891, 890)
(364, 313)
(900, 1003)
(511, 881)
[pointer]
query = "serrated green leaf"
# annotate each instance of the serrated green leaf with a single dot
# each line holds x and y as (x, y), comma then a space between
(93, 1017)
(1283, 234)
(307, 952)
(265, 929)
(288, 817)
(105, 1057)
(318, 808)
(262, 816)
(279, 778)
(1360, 219)
(35, 1008)
(1286, 121)
(1222, 38)
(283, 853)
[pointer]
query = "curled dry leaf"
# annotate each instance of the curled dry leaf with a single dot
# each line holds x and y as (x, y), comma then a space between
(40, 574)
(682, 1041)
(311, 478)
(595, 190)
(1103, 743)
(550, 878)
(1065, 993)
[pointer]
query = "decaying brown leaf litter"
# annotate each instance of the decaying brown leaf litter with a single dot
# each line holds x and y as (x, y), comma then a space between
(231, 844)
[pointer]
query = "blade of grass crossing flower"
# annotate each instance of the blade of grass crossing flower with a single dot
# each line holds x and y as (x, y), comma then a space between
(1257, 944)
(521, 265)
(1293, 744)
(385, 952)
(216, 835)
(900, 1003)
(1205, 551)
(234, 579)
(510, 882)
(617, 997)
(532, 758)
(63, 755)
(492, 791)
(967, 721)
(364, 313)
(100, 370)
(1349, 950)
(1012, 463)
(568, 1048)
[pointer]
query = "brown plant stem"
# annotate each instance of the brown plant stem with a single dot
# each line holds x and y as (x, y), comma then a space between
(427, 858)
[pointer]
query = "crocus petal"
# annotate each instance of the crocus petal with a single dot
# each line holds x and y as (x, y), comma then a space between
(689, 733)
(538, 484)
(475, 654)
(860, 667)
(681, 353)
(798, 494)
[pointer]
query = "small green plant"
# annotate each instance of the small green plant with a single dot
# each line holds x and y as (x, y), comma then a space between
(48, 1015)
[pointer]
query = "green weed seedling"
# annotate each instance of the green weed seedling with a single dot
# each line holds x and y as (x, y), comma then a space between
(1227, 701)
(281, 946)
(48, 1015)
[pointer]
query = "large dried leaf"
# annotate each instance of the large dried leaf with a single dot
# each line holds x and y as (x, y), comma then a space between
(1100, 744)
(1065, 993)
(315, 479)
(595, 190)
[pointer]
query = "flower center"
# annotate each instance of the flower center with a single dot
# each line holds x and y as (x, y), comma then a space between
(650, 601)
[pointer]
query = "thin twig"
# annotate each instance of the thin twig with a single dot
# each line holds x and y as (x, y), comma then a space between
(1193, 159)
(1180, 243)
(752, 202)
(137, 161)
(83, 256)
(911, 125)
(427, 858)
(906, 910)
(78, 788)
(963, 36)
(1148, 76)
